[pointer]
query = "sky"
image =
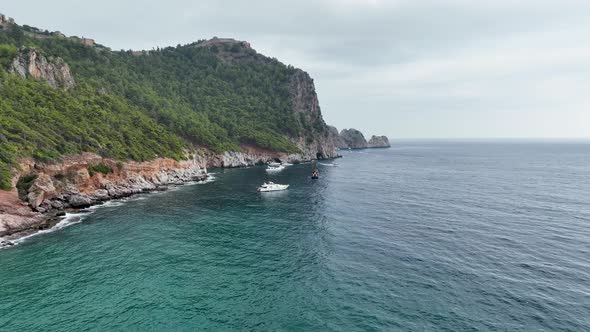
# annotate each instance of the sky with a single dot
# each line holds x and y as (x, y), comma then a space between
(401, 68)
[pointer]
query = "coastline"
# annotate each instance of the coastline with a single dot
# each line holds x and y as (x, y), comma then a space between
(67, 188)
(58, 219)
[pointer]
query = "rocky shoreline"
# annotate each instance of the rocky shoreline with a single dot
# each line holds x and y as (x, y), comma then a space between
(43, 193)
(47, 220)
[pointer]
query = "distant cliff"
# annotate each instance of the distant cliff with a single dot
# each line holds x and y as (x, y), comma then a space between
(378, 142)
(354, 139)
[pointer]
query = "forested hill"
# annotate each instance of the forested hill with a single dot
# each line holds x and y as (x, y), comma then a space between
(61, 95)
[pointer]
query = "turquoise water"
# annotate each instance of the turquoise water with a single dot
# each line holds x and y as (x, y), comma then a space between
(423, 236)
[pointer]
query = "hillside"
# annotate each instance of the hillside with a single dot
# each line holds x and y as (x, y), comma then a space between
(65, 96)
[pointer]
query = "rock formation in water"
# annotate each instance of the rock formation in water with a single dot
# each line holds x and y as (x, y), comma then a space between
(353, 139)
(30, 63)
(378, 142)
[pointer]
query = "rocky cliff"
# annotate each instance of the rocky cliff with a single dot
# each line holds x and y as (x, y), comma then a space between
(378, 142)
(30, 63)
(353, 139)
(318, 142)
(83, 180)
(336, 138)
(78, 181)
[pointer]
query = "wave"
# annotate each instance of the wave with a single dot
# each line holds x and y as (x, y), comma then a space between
(77, 217)
(112, 203)
(68, 220)
(210, 178)
(330, 165)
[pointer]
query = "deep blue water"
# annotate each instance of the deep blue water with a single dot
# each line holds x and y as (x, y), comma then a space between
(480, 236)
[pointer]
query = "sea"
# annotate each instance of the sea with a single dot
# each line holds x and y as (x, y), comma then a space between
(424, 236)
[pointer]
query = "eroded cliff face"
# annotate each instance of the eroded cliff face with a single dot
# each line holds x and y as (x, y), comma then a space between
(30, 63)
(378, 142)
(319, 142)
(73, 183)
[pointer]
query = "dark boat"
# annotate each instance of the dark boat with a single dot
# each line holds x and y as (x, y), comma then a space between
(315, 173)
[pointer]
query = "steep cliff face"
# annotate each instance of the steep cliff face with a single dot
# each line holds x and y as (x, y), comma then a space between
(378, 142)
(317, 141)
(31, 63)
(336, 138)
(353, 139)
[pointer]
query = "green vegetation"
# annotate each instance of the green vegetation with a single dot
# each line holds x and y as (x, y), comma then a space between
(24, 184)
(100, 168)
(140, 106)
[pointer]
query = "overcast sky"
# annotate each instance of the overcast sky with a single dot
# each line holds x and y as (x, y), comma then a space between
(407, 69)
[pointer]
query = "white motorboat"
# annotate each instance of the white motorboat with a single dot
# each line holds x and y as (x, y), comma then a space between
(273, 164)
(275, 168)
(271, 186)
(287, 164)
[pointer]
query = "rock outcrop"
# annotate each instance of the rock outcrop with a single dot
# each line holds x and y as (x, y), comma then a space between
(229, 49)
(69, 183)
(15, 215)
(353, 139)
(30, 63)
(249, 156)
(378, 142)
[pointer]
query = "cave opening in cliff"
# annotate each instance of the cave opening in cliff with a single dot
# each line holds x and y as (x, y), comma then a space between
(319, 155)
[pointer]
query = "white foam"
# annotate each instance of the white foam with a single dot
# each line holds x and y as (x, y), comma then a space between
(75, 218)
(112, 203)
(210, 178)
(68, 220)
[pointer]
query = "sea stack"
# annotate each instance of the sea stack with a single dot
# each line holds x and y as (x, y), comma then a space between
(353, 139)
(378, 142)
